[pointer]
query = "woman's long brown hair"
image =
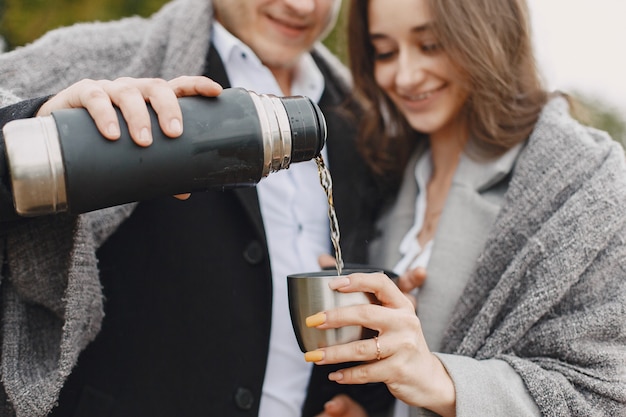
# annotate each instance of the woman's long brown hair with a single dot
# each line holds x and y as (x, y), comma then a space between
(489, 41)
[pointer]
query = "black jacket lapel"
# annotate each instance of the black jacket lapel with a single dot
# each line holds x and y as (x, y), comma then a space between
(214, 69)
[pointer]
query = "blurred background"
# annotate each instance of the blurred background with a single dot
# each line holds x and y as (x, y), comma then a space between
(578, 44)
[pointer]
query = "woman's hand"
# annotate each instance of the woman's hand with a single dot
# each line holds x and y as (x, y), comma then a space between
(399, 356)
(407, 282)
(342, 406)
(131, 95)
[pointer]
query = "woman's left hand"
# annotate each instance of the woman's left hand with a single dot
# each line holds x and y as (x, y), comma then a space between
(398, 356)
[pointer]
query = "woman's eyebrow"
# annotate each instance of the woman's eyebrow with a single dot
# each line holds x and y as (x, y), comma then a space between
(416, 30)
(426, 27)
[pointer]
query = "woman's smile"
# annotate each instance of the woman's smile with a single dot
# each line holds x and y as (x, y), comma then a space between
(422, 99)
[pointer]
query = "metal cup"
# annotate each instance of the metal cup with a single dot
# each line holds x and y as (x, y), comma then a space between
(309, 294)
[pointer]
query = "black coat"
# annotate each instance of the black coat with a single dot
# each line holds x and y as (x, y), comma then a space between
(188, 292)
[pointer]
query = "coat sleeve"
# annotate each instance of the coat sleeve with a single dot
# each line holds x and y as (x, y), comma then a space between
(488, 387)
(50, 295)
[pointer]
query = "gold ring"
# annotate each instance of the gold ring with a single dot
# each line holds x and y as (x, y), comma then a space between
(377, 348)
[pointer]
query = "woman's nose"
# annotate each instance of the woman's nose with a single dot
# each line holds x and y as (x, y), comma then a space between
(411, 70)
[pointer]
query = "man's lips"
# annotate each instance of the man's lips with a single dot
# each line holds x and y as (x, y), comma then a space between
(289, 26)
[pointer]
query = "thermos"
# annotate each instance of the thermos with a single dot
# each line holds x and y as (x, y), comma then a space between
(62, 163)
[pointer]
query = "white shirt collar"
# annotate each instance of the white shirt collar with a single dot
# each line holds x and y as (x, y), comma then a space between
(245, 69)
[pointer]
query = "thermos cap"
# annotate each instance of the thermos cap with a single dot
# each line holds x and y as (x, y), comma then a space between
(293, 129)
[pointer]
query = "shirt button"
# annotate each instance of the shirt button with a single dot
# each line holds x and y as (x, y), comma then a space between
(253, 254)
(244, 398)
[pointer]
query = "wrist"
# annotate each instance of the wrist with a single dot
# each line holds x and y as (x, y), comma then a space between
(442, 395)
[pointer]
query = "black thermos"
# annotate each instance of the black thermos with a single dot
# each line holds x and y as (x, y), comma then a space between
(62, 163)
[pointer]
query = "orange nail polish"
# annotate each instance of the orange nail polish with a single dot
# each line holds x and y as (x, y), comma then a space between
(314, 356)
(315, 320)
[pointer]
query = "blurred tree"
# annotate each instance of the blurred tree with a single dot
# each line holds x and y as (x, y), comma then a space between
(3, 45)
(22, 21)
(594, 111)
(337, 40)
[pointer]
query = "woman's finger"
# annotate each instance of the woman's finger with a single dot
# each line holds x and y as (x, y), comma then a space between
(378, 284)
(395, 328)
(367, 315)
(412, 299)
(365, 350)
(361, 374)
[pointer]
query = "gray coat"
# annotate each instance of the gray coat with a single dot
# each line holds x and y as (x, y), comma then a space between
(533, 275)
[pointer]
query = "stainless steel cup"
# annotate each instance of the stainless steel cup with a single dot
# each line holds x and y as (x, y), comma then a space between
(309, 294)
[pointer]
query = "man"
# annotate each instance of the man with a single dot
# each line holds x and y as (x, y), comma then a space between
(192, 292)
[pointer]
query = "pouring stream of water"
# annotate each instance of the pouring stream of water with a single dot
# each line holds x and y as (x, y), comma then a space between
(327, 184)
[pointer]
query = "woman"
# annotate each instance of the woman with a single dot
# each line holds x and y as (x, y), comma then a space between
(515, 209)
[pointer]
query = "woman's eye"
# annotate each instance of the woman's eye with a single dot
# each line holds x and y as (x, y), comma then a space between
(382, 56)
(430, 47)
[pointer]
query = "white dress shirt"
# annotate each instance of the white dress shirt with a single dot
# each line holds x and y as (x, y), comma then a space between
(294, 209)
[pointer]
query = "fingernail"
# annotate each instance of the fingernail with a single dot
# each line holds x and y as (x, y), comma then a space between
(331, 404)
(113, 130)
(315, 320)
(335, 376)
(145, 137)
(314, 356)
(176, 127)
(339, 283)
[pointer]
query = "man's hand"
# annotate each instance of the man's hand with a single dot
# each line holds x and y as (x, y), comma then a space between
(131, 96)
(342, 406)
(411, 280)
(326, 261)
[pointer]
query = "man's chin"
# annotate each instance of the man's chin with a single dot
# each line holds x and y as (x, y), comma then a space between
(281, 59)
